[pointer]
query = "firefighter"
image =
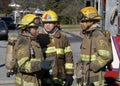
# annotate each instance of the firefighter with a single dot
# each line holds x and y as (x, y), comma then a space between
(56, 48)
(28, 54)
(95, 52)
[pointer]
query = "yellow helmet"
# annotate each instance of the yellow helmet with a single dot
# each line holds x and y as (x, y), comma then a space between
(29, 20)
(89, 13)
(49, 16)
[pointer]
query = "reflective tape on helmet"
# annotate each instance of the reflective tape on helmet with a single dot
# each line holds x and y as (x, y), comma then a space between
(84, 57)
(67, 49)
(69, 66)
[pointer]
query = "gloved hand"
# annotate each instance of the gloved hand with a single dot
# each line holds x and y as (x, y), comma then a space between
(45, 64)
(69, 80)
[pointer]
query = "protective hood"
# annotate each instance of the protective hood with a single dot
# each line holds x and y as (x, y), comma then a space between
(93, 27)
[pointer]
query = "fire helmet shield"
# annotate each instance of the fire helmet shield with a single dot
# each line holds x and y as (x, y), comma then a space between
(49, 16)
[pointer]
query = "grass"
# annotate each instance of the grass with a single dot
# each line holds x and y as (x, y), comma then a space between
(71, 27)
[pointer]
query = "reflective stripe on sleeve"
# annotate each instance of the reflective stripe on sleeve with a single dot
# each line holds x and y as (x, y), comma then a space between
(49, 49)
(22, 82)
(36, 59)
(22, 61)
(57, 50)
(28, 67)
(104, 53)
(101, 61)
(69, 66)
(28, 64)
(67, 49)
(84, 57)
(53, 50)
(60, 51)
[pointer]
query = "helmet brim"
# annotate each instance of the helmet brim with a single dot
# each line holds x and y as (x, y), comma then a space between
(91, 19)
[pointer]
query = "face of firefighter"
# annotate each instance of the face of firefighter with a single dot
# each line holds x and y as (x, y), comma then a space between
(34, 31)
(48, 26)
(85, 25)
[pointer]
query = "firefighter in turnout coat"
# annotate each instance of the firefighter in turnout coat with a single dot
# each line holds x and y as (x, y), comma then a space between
(28, 53)
(95, 49)
(56, 47)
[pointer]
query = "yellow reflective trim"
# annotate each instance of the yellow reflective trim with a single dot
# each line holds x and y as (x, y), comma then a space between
(36, 59)
(22, 82)
(28, 64)
(49, 49)
(22, 61)
(28, 67)
(104, 53)
(78, 84)
(18, 80)
(25, 83)
(57, 79)
(69, 66)
(59, 51)
(101, 61)
(68, 49)
(84, 57)
(53, 50)
(97, 83)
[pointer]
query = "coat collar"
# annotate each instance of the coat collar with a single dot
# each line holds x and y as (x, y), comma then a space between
(28, 35)
(55, 33)
(93, 27)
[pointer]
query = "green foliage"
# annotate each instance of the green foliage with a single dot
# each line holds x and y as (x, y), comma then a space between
(67, 10)
(51, 4)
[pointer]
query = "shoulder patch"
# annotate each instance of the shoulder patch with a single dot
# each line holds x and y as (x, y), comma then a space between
(102, 43)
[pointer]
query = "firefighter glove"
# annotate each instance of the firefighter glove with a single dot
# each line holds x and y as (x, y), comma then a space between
(46, 65)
